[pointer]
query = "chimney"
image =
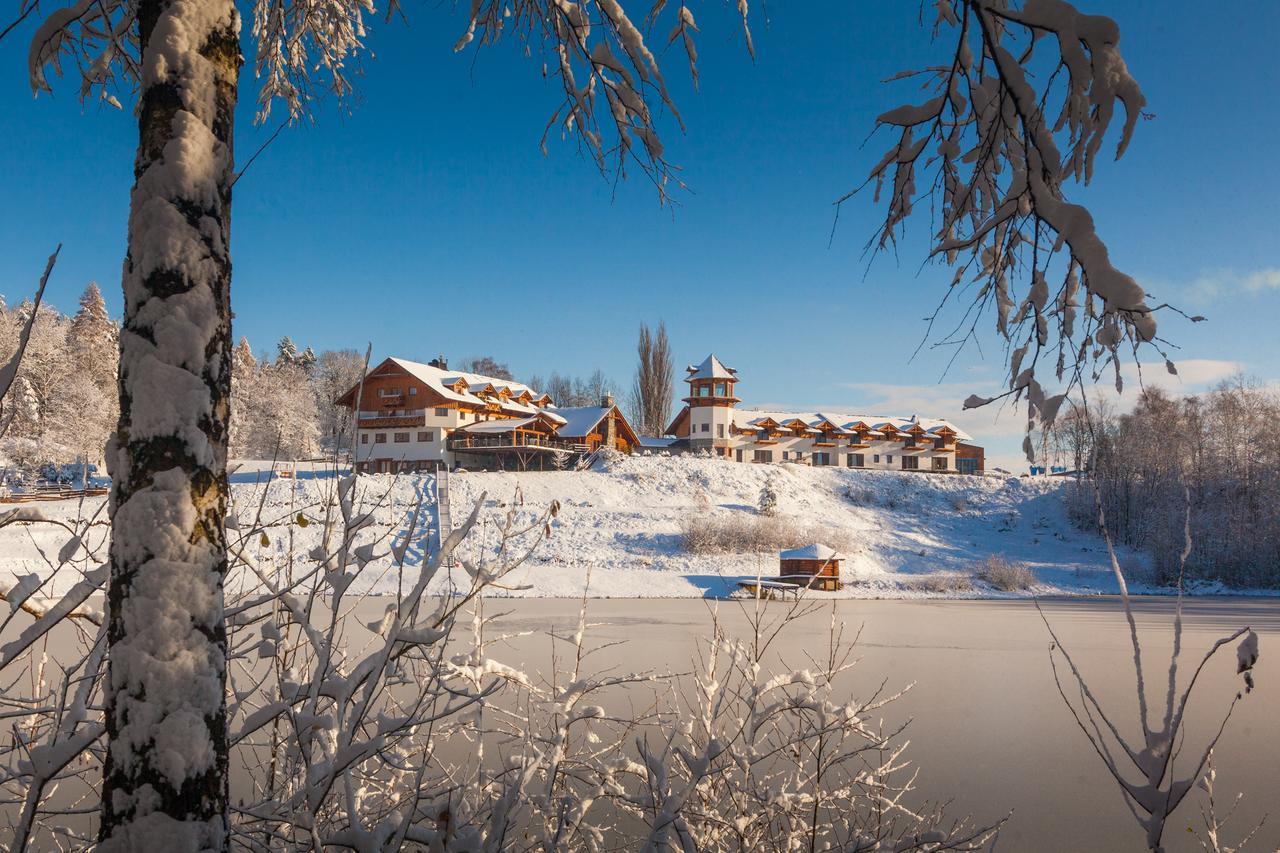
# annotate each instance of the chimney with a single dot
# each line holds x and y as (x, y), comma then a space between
(439, 363)
(607, 401)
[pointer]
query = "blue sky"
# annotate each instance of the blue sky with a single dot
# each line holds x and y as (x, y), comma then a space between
(423, 217)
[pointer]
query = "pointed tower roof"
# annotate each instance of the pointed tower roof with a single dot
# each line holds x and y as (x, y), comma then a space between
(711, 368)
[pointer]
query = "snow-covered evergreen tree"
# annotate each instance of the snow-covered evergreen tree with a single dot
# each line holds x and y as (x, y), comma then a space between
(286, 351)
(92, 338)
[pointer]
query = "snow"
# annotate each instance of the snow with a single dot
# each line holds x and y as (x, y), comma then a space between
(622, 525)
(814, 421)
(809, 552)
(711, 368)
(581, 420)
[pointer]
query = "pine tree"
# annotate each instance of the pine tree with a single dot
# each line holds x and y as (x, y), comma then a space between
(286, 352)
(92, 338)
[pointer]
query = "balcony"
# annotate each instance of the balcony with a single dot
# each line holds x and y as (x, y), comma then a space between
(509, 440)
(392, 418)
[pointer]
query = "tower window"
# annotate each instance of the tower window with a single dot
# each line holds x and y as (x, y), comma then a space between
(706, 428)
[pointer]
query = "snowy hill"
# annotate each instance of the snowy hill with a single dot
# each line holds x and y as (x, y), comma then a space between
(623, 523)
(892, 529)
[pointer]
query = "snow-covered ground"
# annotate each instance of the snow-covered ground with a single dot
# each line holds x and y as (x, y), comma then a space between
(622, 526)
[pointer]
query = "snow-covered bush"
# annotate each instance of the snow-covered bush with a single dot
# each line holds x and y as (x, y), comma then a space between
(745, 533)
(859, 496)
(939, 584)
(1005, 574)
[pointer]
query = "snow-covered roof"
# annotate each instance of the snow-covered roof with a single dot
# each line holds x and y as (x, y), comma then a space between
(656, 441)
(443, 382)
(752, 418)
(580, 420)
(506, 425)
(809, 552)
(711, 368)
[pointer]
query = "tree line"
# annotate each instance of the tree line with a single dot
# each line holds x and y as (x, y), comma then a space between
(1216, 455)
(63, 406)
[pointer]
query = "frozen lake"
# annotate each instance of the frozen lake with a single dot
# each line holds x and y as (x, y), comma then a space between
(989, 730)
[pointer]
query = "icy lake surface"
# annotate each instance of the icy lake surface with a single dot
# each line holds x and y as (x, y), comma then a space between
(989, 731)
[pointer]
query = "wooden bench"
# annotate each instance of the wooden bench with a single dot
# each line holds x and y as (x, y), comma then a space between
(770, 590)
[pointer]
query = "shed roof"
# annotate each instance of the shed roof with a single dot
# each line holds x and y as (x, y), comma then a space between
(809, 552)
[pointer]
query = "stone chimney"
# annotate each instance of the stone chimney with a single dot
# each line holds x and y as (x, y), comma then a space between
(439, 363)
(611, 423)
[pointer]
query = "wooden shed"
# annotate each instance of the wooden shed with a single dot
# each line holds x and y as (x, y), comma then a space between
(815, 566)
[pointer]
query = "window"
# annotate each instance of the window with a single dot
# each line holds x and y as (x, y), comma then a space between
(380, 438)
(719, 430)
(364, 438)
(821, 458)
(402, 438)
(739, 454)
(704, 390)
(889, 459)
(910, 463)
(720, 390)
(413, 392)
(857, 460)
(442, 412)
(876, 458)
(940, 463)
(705, 428)
(786, 454)
(427, 436)
(764, 456)
(388, 392)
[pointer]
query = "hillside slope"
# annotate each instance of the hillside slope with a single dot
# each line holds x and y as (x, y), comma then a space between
(625, 524)
(621, 524)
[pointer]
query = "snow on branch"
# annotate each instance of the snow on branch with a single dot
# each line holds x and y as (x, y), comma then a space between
(1018, 112)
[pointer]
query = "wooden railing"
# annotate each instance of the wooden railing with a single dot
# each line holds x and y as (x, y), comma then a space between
(471, 442)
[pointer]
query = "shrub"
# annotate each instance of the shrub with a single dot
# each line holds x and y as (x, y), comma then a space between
(859, 496)
(939, 583)
(743, 533)
(1004, 574)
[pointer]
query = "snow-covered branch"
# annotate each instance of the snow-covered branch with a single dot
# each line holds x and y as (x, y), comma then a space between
(1017, 114)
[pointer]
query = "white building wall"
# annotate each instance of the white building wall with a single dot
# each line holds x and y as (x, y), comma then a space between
(709, 425)
(438, 422)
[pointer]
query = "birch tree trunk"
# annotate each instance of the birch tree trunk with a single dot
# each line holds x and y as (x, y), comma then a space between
(165, 785)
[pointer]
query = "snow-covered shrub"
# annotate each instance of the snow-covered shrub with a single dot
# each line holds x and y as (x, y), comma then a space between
(939, 584)
(744, 533)
(859, 496)
(1005, 574)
